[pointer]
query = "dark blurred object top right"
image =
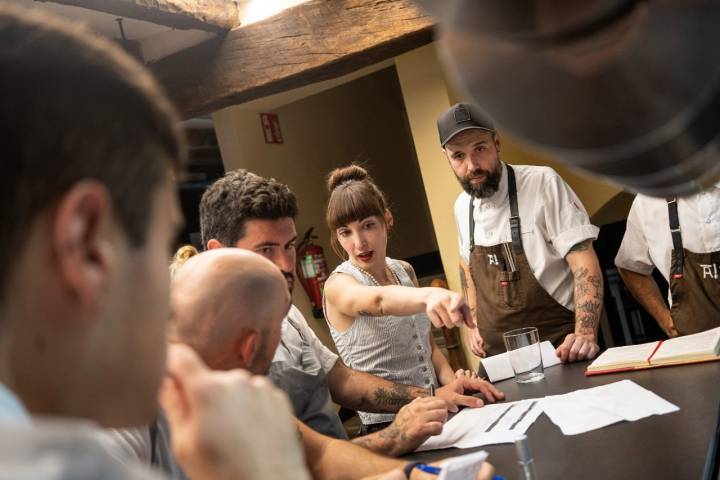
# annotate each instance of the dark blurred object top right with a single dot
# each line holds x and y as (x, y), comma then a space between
(625, 90)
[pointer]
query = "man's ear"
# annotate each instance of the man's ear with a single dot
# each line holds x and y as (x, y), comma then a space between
(389, 220)
(246, 346)
(213, 243)
(82, 241)
(496, 139)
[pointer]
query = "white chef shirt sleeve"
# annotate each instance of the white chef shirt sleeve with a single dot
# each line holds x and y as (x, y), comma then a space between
(634, 252)
(325, 355)
(462, 236)
(566, 220)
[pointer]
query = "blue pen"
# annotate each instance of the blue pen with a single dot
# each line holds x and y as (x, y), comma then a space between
(428, 468)
(436, 470)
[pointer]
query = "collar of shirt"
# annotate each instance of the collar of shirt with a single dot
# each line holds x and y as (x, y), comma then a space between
(498, 198)
(11, 408)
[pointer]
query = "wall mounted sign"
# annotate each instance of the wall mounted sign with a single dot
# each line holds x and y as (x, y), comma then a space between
(271, 128)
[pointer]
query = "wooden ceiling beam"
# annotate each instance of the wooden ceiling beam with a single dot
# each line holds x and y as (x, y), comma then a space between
(209, 15)
(314, 41)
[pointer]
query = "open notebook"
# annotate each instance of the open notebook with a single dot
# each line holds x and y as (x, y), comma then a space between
(699, 347)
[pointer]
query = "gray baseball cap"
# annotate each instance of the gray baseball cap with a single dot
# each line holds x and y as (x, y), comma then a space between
(461, 117)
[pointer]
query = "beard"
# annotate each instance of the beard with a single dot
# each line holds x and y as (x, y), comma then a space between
(485, 189)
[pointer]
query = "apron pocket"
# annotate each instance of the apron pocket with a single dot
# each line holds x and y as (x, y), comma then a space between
(508, 290)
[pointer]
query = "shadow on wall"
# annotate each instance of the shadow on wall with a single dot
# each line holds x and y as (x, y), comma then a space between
(614, 210)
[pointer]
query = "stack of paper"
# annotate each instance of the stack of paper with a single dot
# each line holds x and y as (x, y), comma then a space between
(584, 410)
(575, 412)
(489, 425)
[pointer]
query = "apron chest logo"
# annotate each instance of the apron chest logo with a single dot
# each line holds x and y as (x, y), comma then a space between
(493, 259)
(709, 270)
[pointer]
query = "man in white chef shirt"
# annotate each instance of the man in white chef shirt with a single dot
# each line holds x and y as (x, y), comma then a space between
(681, 238)
(536, 269)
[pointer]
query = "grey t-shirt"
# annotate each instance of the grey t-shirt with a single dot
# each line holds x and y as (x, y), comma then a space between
(59, 450)
(148, 446)
(300, 369)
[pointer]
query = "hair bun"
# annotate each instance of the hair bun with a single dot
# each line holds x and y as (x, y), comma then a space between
(346, 174)
(184, 253)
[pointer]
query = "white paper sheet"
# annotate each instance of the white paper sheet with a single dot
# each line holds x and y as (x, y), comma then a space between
(498, 367)
(585, 410)
(488, 425)
(463, 467)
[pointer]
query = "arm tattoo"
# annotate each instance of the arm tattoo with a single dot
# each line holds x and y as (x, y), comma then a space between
(588, 314)
(391, 399)
(580, 247)
(368, 442)
(587, 284)
(386, 441)
(396, 431)
(463, 282)
(588, 301)
(397, 396)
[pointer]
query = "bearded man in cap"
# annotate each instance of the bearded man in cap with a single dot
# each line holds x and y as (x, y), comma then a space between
(525, 244)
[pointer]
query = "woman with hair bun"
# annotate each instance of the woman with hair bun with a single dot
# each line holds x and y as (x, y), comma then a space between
(378, 317)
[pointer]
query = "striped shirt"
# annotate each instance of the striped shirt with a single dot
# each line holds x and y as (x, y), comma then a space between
(394, 348)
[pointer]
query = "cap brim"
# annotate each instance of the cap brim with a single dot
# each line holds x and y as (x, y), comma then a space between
(474, 127)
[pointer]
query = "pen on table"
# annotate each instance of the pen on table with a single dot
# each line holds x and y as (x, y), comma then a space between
(525, 459)
(424, 467)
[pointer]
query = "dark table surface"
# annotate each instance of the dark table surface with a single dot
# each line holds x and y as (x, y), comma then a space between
(672, 446)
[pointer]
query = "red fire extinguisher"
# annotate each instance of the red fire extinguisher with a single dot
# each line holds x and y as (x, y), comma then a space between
(312, 270)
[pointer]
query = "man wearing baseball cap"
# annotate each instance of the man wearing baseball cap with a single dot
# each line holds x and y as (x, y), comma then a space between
(525, 244)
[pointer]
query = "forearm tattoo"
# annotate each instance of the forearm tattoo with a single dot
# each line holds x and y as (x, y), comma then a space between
(391, 399)
(588, 301)
(387, 441)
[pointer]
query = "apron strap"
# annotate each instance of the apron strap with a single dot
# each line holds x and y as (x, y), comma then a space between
(677, 268)
(514, 213)
(472, 223)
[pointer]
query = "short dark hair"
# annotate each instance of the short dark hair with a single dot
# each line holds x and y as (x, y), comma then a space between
(74, 107)
(240, 196)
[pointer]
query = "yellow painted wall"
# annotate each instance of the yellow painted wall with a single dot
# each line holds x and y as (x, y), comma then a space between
(426, 96)
(360, 120)
(427, 93)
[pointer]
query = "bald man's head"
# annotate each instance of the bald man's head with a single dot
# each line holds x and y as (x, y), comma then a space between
(228, 305)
